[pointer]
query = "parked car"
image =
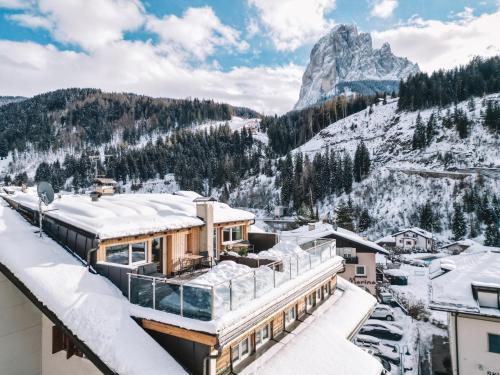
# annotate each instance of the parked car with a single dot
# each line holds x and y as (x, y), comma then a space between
(382, 330)
(382, 312)
(366, 340)
(386, 298)
(374, 352)
(381, 349)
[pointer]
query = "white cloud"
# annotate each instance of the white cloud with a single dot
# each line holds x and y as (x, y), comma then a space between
(196, 33)
(435, 44)
(87, 23)
(383, 8)
(14, 4)
(28, 68)
(30, 20)
(291, 23)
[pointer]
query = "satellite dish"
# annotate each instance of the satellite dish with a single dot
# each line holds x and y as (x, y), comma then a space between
(45, 192)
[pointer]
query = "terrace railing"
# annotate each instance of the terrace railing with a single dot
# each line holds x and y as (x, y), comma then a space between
(197, 300)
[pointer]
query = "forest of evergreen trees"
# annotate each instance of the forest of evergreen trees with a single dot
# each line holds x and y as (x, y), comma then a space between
(441, 88)
(294, 128)
(200, 161)
(89, 117)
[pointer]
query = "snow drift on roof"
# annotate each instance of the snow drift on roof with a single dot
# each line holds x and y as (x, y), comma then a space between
(89, 305)
(131, 214)
(320, 345)
(416, 230)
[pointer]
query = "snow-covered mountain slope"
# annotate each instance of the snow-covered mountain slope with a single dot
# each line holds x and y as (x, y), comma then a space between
(346, 56)
(10, 99)
(388, 135)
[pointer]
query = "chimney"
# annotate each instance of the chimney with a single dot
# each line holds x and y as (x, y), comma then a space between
(205, 211)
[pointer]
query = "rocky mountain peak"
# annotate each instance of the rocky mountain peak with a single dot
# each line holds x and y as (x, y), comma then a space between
(344, 60)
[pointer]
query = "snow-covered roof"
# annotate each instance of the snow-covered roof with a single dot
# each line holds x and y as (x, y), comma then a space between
(387, 239)
(465, 243)
(130, 214)
(89, 305)
(325, 335)
(304, 234)
(416, 230)
(453, 289)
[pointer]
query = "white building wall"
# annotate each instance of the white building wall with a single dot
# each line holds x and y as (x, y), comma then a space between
(20, 332)
(418, 242)
(57, 364)
(473, 355)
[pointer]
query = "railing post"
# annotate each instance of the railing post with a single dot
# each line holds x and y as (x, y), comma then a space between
(154, 293)
(212, 296)
(129, 286)
(330, 249)
(310, 262)
(230, 295)
(274, 277)
(254, 285)
(182, 299)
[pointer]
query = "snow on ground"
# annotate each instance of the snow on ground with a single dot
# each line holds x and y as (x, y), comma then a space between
(89, 305)
(325, 335)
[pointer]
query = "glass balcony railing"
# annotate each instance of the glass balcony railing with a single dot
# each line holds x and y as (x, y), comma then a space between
(195, 300)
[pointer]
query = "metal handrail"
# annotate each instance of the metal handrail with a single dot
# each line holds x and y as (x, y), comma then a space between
(193, 283)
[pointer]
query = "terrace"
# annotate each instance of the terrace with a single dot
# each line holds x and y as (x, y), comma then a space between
(209, 294)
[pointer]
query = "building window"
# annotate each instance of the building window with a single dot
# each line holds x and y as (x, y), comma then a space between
(232, 234)
(325, 290)
(360, 271)
(241, 351)
(127, 253)
(318, 295)
(290, 316)
(493, 343)
(262, 335)
(310, 301)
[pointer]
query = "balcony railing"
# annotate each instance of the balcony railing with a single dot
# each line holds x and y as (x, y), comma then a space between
(351, 260)
(196, 300)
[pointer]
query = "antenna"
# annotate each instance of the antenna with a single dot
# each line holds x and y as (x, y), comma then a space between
(46, 196)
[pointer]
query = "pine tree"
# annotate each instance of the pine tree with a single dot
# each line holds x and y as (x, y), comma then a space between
(347, 173)
(4, 147)
(430, 130)
(492, 235)
(344, 218)
(459, 228)
(419, 140)
(365, 220)
(362, 162)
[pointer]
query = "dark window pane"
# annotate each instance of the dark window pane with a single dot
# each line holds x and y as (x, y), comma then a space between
(493, 343)
(117, 254)
(237, 233)
(227, 235)
(138, 252)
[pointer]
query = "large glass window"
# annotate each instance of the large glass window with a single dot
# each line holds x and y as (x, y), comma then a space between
(493, 343)
(126, 253)
(232, 234)
(117, 254)
(157, 252)
(138, 252)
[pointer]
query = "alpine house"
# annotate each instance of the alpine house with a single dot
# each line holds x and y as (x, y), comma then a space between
(140, 284)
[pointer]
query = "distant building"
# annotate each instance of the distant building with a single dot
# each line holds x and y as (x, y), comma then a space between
(414, 239)
(458, 247)
(359, 253)
(467, 287)
(387, 242)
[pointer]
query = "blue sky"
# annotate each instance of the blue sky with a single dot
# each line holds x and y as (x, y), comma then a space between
(246, 52)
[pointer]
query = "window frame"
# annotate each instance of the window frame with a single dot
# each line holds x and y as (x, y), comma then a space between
(356, 273)
(263, 340)
(129, 245)
(310, 301)
(497, 337)
(239, 347)
(231, 238)
(293, 312)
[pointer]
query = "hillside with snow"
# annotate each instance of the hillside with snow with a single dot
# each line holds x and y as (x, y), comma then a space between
(402, 179)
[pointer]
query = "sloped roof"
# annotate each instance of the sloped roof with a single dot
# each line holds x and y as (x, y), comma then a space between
(87, 304)
(123, 215)
(453, 289)
(416, 230)
(320, 344)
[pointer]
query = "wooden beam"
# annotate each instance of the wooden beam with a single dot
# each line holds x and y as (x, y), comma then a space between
(195, 336)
